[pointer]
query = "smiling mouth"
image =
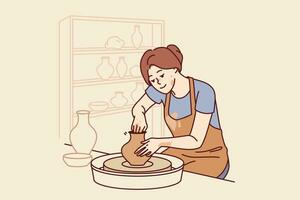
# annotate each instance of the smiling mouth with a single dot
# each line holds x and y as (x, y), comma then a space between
(163, 86)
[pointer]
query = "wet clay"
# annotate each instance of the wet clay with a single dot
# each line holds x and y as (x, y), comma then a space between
(131, 146)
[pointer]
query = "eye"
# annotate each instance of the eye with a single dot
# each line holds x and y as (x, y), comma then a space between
(153, 80)
(162, 75)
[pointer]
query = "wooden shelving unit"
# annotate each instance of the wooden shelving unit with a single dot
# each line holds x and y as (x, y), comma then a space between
(82, 36)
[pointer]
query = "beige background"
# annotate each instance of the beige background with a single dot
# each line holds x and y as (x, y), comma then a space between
(248, 50)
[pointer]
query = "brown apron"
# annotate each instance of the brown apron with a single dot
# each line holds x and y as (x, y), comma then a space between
(211, 157)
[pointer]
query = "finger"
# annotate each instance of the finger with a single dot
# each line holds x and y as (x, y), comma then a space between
(142, 147)
(139, 129)
(144, 129)
(145, 141)
(135, 128)
(142, 153)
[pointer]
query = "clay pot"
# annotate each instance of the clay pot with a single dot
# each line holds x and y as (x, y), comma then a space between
(131, 146)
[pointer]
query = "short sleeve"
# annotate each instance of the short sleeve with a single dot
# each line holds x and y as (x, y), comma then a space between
(205, 102)
(155, 95)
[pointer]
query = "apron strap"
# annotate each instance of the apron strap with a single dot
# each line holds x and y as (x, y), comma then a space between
(192, 97)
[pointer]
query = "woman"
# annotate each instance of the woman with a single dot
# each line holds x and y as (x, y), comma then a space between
(190, 112)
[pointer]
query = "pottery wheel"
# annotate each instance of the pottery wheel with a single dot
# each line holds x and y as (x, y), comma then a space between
(154, 164)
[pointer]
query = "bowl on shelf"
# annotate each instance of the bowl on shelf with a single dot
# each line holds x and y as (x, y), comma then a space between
(98, 105)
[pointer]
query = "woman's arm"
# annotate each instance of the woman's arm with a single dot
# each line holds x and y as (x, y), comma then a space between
(138, 112)
(192, 141)
(196, 138)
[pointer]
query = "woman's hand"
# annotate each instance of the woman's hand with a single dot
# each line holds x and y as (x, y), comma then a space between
(139, 123)
(148, 147)
(139, 110)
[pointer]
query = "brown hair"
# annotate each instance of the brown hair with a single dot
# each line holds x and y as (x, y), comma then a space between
(163, 57)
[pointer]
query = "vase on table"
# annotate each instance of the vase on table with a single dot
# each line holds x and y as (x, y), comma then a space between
(83, 136)
(128, 149)
(105, 69)
(137, 37)
(121, 67)
(118, 100)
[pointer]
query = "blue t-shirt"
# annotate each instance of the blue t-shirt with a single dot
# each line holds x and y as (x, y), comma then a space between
(180, 107)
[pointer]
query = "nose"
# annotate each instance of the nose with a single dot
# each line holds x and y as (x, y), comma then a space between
(158, 81)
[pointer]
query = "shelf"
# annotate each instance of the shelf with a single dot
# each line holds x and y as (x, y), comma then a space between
(109, 111)
(112, 110)
(82, 40)
(112, 80)
(114, 19)
(102, 50)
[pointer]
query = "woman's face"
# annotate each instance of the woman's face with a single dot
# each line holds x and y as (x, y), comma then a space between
(162, 79)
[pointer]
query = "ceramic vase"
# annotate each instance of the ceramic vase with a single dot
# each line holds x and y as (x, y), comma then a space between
(137, 37)
(83, 136)
(121, 67)
(118, 100)
(105, 69)
(128, 149)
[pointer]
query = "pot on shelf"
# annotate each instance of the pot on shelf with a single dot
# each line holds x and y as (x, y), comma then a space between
(118, 100)
(105, 70)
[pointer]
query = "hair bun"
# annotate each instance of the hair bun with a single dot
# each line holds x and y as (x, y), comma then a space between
(176, 51)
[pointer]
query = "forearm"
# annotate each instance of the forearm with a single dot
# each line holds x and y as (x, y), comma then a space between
(138, 109)
(195, 139)
(183, 142)
(142, 106)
